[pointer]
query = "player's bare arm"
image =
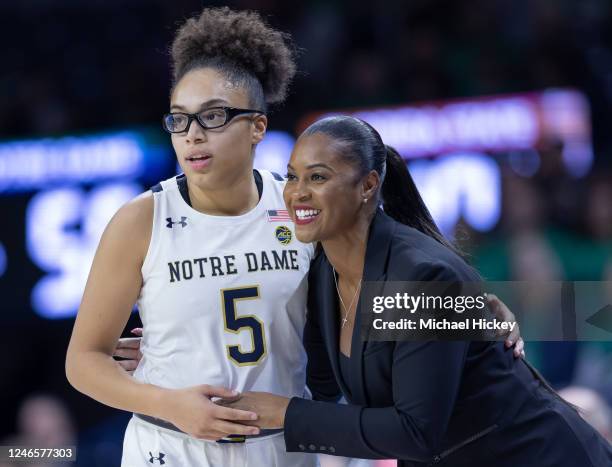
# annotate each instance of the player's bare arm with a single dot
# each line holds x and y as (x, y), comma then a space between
(112, 289)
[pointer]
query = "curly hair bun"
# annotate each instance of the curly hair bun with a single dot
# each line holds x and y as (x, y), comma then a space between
(241, 38)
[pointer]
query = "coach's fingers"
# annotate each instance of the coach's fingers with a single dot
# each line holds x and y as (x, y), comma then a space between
(519, 349)
(137, 332)
(227, 413)
(132, 354)
(515, 334)
(128, 365)
(503, 313)
(235, 428)
(129, 343)
(494, 305)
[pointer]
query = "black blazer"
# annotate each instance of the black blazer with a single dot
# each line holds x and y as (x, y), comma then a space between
(428, 403)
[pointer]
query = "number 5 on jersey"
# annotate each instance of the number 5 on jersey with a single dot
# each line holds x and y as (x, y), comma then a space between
(235, 324)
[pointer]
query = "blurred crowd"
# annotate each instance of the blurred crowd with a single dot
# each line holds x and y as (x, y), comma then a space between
(71, 67)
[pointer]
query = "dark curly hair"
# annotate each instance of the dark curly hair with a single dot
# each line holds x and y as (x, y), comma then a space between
(241, 46)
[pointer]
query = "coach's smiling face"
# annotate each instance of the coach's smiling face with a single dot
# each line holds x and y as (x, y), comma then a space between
(324, 192)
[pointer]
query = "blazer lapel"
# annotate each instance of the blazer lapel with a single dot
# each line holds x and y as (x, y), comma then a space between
(374, 270)
(329, 321)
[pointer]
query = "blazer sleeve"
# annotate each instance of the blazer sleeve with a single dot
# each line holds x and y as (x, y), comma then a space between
(425, 384)
(320, 377)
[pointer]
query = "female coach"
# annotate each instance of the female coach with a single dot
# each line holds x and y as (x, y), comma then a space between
(444, 403)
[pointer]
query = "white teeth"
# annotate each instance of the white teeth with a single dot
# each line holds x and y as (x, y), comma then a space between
(306, 213)
(195, 158)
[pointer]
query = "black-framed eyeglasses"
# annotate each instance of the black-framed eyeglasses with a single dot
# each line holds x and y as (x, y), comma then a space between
(213, 117)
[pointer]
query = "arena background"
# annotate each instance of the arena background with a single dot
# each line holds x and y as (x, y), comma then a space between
(501, 108)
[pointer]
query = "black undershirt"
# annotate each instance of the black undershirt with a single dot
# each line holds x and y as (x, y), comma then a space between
(181, 181)
(344, 363)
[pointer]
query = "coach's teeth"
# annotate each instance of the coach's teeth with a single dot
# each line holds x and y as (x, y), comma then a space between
(305, 213)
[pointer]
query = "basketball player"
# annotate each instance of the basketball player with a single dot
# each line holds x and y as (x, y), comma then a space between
(210, 259)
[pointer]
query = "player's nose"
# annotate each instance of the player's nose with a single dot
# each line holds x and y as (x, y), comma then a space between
(195, 132)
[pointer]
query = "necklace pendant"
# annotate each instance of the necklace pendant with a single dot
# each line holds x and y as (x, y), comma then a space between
(344, 320)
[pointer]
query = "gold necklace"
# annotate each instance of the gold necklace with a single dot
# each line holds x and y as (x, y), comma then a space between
(346, 312)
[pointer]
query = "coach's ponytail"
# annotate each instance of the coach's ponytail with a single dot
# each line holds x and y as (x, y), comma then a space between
(362, 145)
(402, 200)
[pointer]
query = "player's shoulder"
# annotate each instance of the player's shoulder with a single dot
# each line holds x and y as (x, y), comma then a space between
(271, 176)
(176, 182)
(136, 216)
(277, 177)
(273, 187)
(128, 233)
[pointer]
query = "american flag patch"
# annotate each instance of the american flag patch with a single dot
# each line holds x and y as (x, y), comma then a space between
(278, 215)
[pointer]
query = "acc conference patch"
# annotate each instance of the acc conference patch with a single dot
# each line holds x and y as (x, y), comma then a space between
(283, 234)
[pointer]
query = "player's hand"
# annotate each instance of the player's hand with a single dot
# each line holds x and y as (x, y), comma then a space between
(129, 348)
(192, 411)
(502, 312)
(270, 407)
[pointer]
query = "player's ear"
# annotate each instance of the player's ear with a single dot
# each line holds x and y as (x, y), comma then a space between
(260, 124)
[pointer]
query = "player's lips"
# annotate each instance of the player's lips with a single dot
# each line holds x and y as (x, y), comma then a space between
(305, 214)
(198, 160)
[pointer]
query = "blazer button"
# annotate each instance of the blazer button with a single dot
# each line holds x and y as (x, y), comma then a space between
(332, 449)
(312, 447)
(302, 447)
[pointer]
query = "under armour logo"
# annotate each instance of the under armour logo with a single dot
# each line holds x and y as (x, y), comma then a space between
(160, 458)
(171, 223)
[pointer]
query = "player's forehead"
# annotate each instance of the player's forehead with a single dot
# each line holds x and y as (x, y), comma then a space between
(206, 87)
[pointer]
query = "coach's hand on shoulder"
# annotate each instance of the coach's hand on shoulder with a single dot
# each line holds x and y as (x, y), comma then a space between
(503, 313)
(192, 411)
(270, 408)
(128, 348)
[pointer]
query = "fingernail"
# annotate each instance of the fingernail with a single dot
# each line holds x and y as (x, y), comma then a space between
(253, 416)
(255, 431)
(508, 343)
(234, 392)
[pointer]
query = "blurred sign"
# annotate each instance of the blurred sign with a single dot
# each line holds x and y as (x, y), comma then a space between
(491, 124)
(56, 197)
(460, 186)
(451, 147)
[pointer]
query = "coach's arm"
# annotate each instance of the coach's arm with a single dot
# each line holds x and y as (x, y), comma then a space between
(426, 377)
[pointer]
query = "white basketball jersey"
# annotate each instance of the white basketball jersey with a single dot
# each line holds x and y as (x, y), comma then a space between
(223, 300)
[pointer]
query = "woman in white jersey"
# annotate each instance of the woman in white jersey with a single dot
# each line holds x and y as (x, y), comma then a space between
(211, 260)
